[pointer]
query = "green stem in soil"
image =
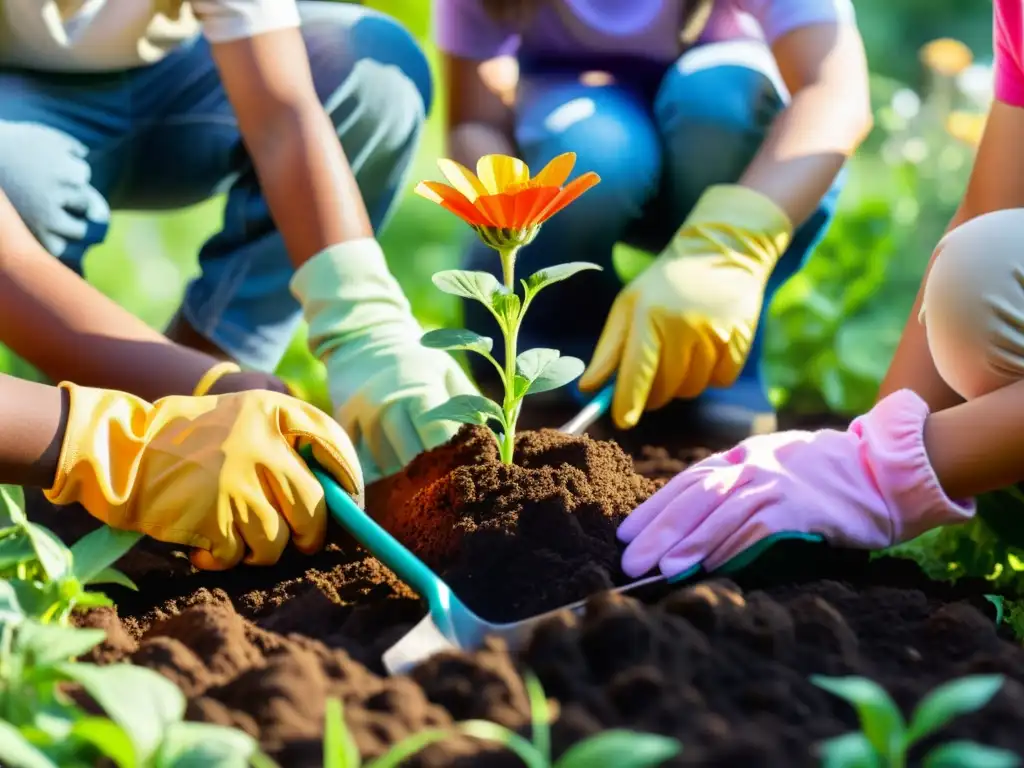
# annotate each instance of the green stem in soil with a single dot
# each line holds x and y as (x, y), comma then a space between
(510, 326)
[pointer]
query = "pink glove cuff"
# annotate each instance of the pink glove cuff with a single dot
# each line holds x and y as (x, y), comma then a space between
(894, 457)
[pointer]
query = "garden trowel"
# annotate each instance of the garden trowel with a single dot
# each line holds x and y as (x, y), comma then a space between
(449, 623)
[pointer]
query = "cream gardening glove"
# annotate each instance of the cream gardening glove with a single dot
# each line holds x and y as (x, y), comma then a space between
(381, 379)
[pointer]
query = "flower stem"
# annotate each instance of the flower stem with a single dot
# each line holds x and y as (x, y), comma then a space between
(510, 328)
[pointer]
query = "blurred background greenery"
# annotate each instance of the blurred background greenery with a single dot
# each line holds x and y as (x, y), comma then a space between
(836, 324)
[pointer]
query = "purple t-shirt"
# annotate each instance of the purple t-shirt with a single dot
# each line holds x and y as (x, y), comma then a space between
(647, 29)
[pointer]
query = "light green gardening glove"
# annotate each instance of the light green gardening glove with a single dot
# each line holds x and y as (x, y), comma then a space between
(381, 379)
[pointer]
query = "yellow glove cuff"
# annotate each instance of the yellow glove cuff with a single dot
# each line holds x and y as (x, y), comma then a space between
(740, 219)
(214, 375)
(99, 457)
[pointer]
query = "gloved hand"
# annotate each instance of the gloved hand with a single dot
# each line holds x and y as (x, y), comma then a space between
(688, 320)
(58, 207)
(221, 474)
(869, 487)
(381, 379)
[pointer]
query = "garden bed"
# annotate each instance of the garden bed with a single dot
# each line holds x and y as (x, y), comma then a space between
(722, 665)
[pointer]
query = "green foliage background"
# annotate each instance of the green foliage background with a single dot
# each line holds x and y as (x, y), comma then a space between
(835, 325)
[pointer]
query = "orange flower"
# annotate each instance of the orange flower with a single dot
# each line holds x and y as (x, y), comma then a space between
(501, 202)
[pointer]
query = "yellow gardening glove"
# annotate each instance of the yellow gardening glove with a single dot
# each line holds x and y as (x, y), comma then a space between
(688, 320)
(221, 474)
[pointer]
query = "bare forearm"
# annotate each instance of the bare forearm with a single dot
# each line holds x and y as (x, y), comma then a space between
(912, 366)
(32, 421)
(976, 446)
(308, 183)
(71, 331)
(806, 148)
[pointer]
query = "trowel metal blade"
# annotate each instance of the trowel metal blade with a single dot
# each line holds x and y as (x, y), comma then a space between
(426, 640)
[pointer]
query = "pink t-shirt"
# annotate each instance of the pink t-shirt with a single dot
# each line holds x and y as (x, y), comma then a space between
(646, 29)
(1008, 34)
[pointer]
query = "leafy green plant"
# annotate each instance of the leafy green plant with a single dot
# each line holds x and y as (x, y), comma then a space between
(619, 748)
(506, 208)
(41, 726)
(50, 578)
(885, 738)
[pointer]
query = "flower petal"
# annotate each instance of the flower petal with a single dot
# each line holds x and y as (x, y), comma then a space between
(500, 209)
(530, 205)
(498, 172)
(452, 200)
(569, 193)
(463, 179)
(556, 172)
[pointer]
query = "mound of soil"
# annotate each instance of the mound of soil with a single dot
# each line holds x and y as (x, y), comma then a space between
(722, 665)
(515, 540)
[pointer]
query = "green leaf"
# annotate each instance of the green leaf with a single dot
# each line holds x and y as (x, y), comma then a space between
(15, 549)
(880, 719)
(852, 750)
(540, 716)
(481, 286)
(507, 306)
(113, 576)
(968, 754)
(555, 274)
(17, 752)
(54, 557)
(457, 338)
(199, 745)
(408, 747)
(91, 600)
(34, 596)
(108, 738)
(340, 750)
(486, 731)
(1000, 605)
(95, 551)
(623, 749)
(143, 702)
(10, 609)
(951, 700)
(50, 644)
(12, 505)
(466, 409)
(546, 369)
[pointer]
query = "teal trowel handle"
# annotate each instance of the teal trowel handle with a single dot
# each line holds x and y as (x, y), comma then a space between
(382, 544)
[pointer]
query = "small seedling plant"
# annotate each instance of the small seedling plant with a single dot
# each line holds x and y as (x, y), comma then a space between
(49, 578)
(619, 748)
(885, 738)
(506, 208)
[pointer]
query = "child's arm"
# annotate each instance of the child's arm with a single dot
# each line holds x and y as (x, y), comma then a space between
(71, 331)
(824, 67)
(479, 80)
(478, 112)
(32, 421)
(996, 183)
(304, 174)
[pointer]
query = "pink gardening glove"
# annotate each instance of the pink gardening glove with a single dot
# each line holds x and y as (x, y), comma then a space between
(869, 487)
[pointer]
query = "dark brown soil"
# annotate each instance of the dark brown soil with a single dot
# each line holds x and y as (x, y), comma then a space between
(516, 540)
(723, 665)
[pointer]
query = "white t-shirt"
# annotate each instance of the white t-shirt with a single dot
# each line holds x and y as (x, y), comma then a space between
(105, 35)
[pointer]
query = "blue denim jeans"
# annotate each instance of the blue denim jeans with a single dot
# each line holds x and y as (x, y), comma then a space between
(165, 136)
(657, 143)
